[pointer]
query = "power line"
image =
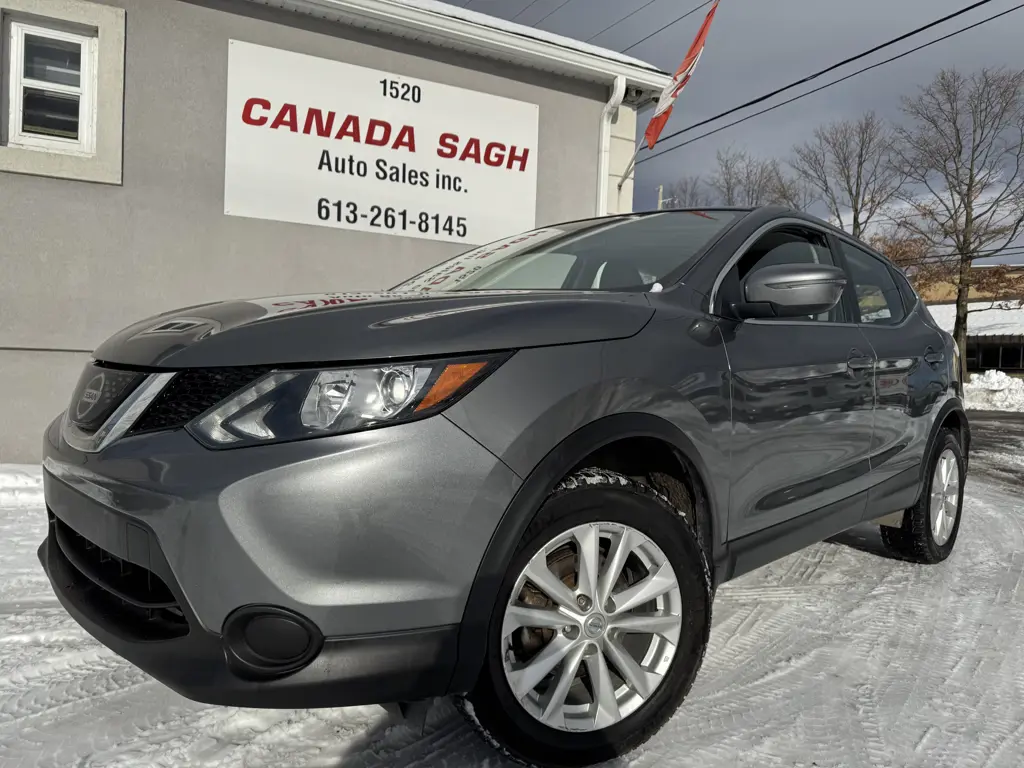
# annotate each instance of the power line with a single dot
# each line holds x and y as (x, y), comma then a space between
(557, 8)
(615, 24)
(634, 13)
(821, 72)
(673, 23)
(815, 90)
(988, 253)
(954, 258)
(1013, 250)
(528, 7)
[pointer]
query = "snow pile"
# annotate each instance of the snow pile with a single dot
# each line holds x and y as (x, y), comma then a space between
(20, 485)
(994, 391)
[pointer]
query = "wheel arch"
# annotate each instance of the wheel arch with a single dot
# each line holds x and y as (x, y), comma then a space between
(556, 464)
(951, 415)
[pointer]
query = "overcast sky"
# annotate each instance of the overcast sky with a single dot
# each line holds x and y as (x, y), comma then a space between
(756, 46)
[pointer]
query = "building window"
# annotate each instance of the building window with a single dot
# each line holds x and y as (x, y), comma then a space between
(62, 89)
(1011, 357)
(52, 87)
(971, 358)
(989, 356)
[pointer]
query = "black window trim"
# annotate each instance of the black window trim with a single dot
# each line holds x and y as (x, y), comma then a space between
(842, 239)
(752, 239)
(902, 279)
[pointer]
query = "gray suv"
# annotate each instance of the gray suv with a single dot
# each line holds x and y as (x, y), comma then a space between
(516, 478)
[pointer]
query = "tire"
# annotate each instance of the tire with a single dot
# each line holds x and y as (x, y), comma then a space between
(681, 498)
(613, 506)
(916, 539)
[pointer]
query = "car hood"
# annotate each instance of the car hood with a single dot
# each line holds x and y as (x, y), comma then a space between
(340, 327)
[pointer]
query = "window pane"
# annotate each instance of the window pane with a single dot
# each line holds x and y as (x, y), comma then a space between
(909, 296)
(989, 356)
(877, 294)
(54, 61)
(595, 254)
(1010, 358)
(50, 114)
(549, 269)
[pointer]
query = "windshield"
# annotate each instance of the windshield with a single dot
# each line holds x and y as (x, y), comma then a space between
(622, 253)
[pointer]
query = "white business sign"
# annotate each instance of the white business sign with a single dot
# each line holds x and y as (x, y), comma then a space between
(316, 141)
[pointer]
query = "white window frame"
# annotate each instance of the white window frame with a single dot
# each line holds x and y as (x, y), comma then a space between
(85, 144)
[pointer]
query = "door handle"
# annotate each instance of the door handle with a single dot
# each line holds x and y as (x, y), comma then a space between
(932, 357)
(858, 361)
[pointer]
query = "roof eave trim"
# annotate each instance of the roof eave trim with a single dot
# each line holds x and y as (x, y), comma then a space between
(479, 38)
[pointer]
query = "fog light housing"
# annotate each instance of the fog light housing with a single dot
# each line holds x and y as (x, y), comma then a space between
(266, 641)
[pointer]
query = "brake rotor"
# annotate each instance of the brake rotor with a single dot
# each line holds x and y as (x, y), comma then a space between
(527, 642)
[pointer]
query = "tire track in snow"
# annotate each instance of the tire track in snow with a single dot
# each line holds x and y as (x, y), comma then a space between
(998, 708)
(833, 656)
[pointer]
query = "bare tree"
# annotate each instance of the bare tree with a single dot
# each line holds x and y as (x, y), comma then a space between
(761, 182)
(741, 179)
(912, 255)
(962, 156)
(688, 192)
(795, 192)
(848, 164)
(727, 181)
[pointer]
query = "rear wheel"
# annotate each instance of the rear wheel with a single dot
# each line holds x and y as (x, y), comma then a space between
(600, 625)
(930, 527)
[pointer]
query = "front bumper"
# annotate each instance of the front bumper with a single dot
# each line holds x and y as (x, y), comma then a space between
(372, 669)
(371, 541)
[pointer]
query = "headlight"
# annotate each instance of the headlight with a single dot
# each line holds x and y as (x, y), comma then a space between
(297, 404)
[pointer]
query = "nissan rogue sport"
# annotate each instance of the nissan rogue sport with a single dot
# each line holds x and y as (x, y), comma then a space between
(516, 478)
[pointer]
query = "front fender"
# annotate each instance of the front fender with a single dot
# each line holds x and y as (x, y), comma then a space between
(540, 397)
(525, 504)
(547, 409)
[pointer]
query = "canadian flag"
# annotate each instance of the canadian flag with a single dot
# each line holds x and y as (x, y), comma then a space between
(668, 96)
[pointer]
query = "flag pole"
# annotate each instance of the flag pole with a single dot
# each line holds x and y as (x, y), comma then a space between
(663, 110)
(629, 167)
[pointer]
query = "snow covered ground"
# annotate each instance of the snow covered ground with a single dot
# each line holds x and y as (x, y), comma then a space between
(834, 656)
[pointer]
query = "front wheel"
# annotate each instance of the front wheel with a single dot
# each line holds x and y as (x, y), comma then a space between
(599, 629)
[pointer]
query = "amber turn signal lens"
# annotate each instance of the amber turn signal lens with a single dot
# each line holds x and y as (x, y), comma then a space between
(451, 380)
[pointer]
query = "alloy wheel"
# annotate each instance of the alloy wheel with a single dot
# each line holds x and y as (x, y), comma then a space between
(945, 497)
(592, 626)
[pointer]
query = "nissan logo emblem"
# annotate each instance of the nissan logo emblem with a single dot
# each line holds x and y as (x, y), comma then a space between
(91, 396)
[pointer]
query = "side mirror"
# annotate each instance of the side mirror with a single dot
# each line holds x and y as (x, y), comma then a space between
(791, 290)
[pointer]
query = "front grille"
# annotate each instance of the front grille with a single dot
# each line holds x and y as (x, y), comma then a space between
(100, 390)
(134, 598)
(192, 393)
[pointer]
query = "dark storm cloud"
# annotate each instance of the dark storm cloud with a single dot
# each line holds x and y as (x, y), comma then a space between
(756, 46)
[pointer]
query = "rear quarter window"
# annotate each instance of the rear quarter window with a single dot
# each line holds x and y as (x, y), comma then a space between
(910, 297)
